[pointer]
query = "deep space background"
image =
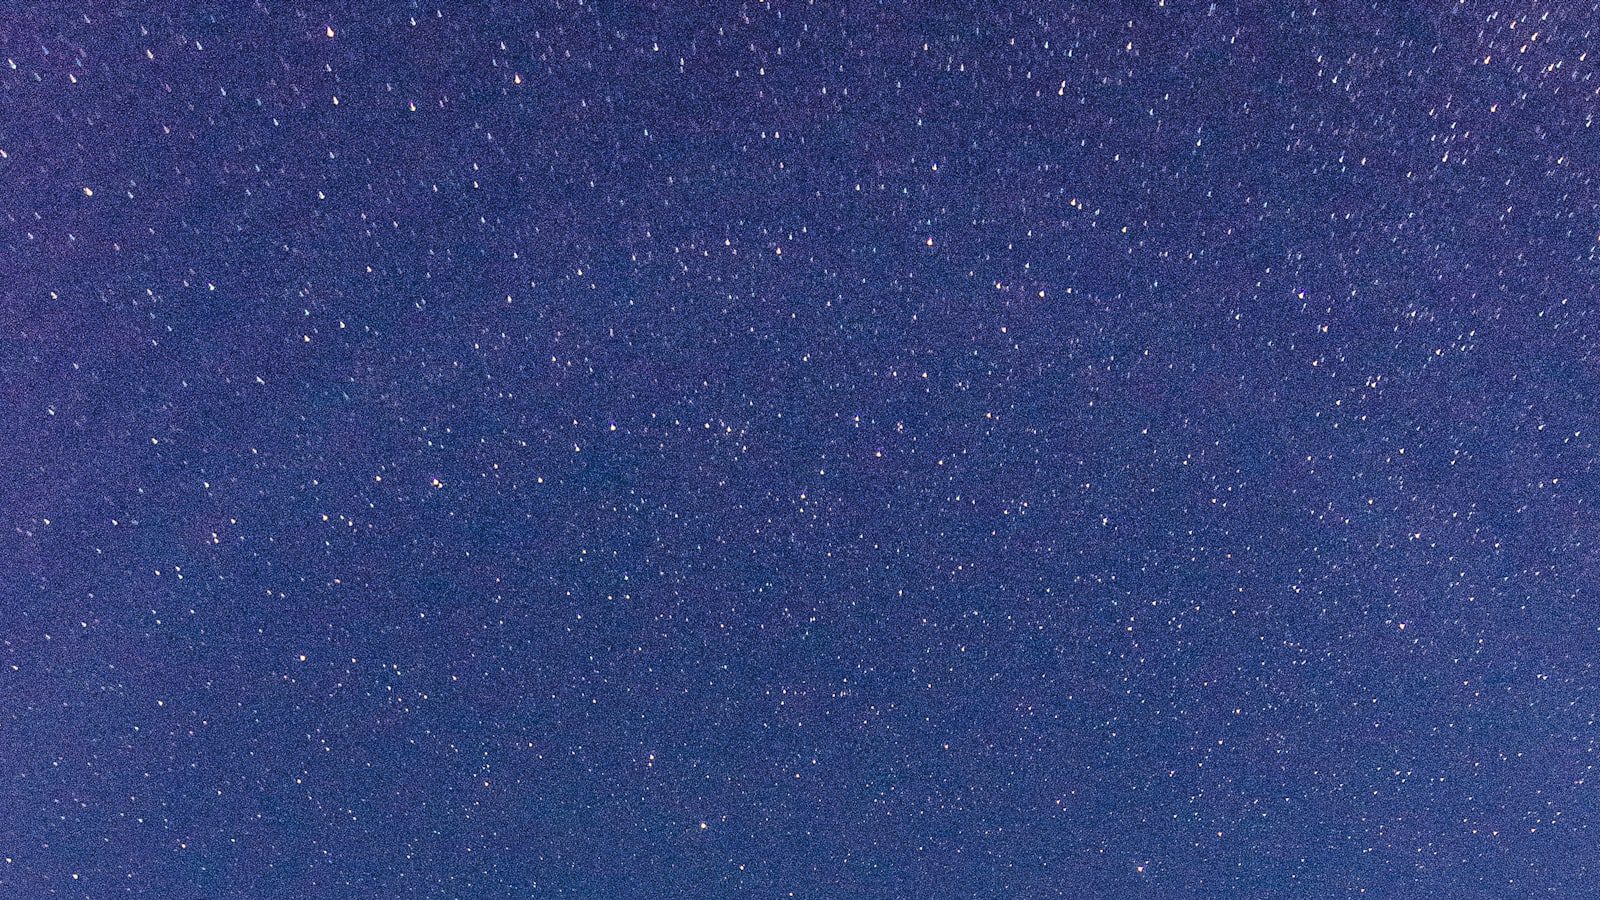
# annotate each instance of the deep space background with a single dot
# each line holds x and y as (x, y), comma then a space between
(785, 449)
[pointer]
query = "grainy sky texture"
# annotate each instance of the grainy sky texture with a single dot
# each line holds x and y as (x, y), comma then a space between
(814, 450)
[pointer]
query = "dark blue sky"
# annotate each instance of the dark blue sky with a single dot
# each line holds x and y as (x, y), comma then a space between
(917, 450)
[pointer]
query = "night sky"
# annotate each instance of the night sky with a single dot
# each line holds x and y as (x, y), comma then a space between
(813, 450)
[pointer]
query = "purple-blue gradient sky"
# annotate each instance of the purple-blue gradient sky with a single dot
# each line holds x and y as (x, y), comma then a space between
(915, 450)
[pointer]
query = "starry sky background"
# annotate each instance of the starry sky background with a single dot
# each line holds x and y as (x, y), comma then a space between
(781, 449)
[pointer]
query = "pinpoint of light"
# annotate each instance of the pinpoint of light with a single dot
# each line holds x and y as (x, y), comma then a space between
(330, 31)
